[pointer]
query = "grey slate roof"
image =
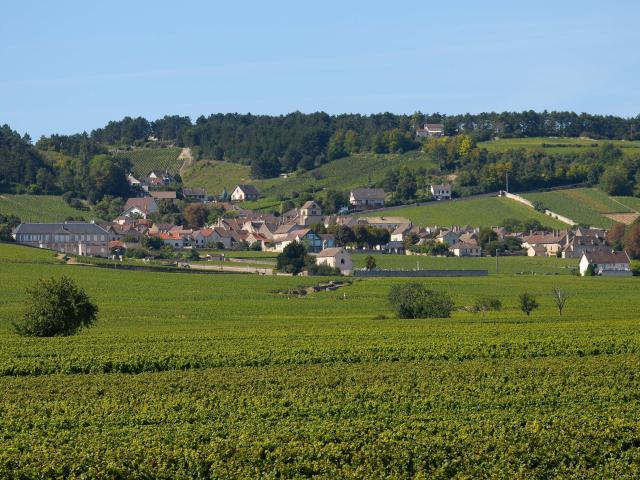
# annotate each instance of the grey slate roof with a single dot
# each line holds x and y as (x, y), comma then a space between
(75, 228)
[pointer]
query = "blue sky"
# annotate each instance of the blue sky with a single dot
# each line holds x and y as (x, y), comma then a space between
(70, 66)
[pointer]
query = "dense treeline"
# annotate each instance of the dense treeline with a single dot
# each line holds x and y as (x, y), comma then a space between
(83, 170)
(274, 144)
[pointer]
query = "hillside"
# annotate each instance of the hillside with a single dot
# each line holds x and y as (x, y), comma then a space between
(559, 145)
(589, 206)
(39, 208)
(343, 174)
(144, 160)
(477, 211)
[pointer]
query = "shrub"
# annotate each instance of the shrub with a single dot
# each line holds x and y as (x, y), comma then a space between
(527, 302)
(323, 269)
(413, 300)
(486, 304)
(56, 307)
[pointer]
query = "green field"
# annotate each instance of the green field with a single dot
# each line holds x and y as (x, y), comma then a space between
(585, 205)
(145, 160)
(189, 375)
(39, 208)
(506, 265)
(559, 144)
(480, 211)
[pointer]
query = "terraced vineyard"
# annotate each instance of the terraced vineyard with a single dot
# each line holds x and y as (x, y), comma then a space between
(589, 206)
(217, 376)
(478, 211)
(145, 160)
(39, 208)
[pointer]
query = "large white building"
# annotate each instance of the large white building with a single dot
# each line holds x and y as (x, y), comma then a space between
(72, 238)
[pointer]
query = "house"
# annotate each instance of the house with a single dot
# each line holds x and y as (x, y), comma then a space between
(441, 192)
(366, 198)
(336, 257)
(551, 242)
(394, 247)
(212, 236)
(197, 194)
(310, 213)
(72, 238)
(244, 192)
(163, 195)
(462, 249)
(431, 130)
(609, 263)
(579, 244)
(173, 239)
(133, 181)
(328, 240)
(308, 237)
(447, 236)
(399, 234)
(143, 207)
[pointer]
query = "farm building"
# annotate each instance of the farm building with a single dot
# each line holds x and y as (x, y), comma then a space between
(336, 258)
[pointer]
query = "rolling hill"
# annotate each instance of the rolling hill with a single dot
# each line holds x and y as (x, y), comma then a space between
(477, 211)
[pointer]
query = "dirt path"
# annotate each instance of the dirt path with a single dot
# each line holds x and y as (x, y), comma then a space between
(185, 155)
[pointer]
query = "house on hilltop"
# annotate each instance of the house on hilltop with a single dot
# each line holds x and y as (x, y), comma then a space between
(244, 192)
(431, 130)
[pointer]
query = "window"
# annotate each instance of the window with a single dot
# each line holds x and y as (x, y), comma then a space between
(342, 261)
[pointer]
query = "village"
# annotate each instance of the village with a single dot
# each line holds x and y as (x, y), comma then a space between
(330, 238)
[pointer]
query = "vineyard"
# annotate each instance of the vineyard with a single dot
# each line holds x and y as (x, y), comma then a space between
(143, 161)
(40, 208)
(478, 211)
(216, 376)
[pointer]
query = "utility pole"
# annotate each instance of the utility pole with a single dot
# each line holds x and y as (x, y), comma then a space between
(507, 182)
(497, 263)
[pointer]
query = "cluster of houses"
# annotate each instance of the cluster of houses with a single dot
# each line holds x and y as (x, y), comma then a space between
(243, 228)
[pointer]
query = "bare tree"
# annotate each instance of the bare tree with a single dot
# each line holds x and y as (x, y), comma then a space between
(560, 297)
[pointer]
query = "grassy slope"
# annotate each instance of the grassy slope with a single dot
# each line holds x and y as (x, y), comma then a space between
(483, 211)
(39, 208)
(214, 176)
(585, 205)
(144, 160)
(568, 145)
(241, 382)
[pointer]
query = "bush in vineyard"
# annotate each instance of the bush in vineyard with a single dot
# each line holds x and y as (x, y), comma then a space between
(413, 300)
(56, 307)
